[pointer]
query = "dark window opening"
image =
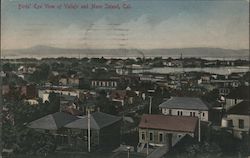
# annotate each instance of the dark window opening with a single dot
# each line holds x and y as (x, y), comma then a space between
(241, 123)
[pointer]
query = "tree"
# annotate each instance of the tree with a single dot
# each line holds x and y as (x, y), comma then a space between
(41, 74)
(54, 103)
(7, 67)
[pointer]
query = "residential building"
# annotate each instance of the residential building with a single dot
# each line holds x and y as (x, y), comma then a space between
(105, 130)
(237, 119)
(73, 131)
(165, 130)
(106, 84)
(29, 91)
(186, 106)
(236, 96)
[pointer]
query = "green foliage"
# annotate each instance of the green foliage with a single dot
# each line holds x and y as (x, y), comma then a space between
(41, 74)
(15, 133)
(105, 104)
(7, 67)
(54, 103)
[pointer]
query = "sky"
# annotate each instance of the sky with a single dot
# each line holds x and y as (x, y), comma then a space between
(147, 24)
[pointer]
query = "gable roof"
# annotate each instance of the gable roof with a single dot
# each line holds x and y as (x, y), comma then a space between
(243, 108)
(169, 123)
(239, 93)
(185, 142)
(52, 121)
(188, 103)
(98, 120)
(68, 98)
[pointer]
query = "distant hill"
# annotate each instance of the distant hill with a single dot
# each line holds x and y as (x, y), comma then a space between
(42, 51)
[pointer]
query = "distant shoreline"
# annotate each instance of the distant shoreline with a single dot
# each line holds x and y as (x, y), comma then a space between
(206, 53)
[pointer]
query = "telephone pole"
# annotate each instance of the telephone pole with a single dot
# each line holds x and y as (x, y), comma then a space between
(199, 134)
(150, 104)
(89, 131)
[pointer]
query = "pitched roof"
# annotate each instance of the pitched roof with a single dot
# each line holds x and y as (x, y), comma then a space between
(169, 123)
(68, 98)
(118, 94)
(239, 93)
(52, 121)
(243, 108)
(98, 120)
(188, 103)
(73, 111)
(185, 142)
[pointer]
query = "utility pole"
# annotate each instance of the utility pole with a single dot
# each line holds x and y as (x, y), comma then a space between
(147, 142)
(128, 148)
(89, 130)
(150, 104)
(150, 91)
(199, 134)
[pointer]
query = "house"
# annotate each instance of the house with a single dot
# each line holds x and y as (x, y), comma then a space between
(165, 130)
(237, 119)
(72, 81)
(29, 91)
(44, 92)
(123, 96)
(185, 106)
(53, 124)
(225, 83)
(105, 84)
(67, 101)
(122, 70)
(105, 130)
(236, 96)
(72, 131)
(205, 78)
(26, 69)
(89, 104)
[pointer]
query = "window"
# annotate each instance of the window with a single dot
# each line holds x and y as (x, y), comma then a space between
(179, 113)
(143, 136)
(170, 112)
(151, 136)
(160, 137)
(241, 123)
(230, 123)
(203, 114)
(192, 114)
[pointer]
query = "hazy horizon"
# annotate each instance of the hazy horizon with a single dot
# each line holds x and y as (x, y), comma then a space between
(199, 52)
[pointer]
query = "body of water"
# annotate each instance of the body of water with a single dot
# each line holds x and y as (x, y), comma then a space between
(213, 70)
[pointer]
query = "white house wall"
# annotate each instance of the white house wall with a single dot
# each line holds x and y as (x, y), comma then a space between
(204, 114)
(235, 120)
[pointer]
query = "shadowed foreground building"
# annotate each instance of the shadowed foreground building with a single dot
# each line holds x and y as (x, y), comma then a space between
(72, 131)
(237, 119)
(105, 131)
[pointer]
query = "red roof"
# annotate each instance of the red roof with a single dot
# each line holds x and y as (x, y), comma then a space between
(169, 123)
